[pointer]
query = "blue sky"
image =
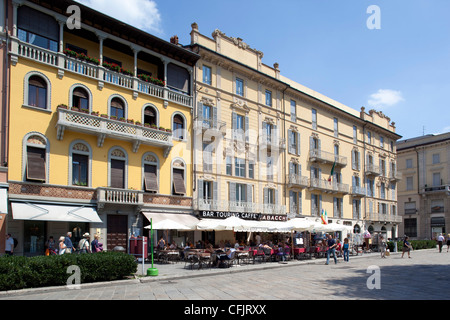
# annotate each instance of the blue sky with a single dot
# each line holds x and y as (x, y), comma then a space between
(402, 69)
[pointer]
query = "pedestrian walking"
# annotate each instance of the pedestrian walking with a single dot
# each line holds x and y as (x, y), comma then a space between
(383, 246)
(9, 245)
(345, 249)
(331, 249)
(68, 243)
(83, 245)
(95, 245)
(448, 241)
(440, 240)
(62, 246)
(406, 247)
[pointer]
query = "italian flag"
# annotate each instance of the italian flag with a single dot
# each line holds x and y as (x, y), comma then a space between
(332, 172)
(324, 217)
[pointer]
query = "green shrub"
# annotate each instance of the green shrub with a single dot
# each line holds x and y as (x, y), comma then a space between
(44, 271)
(416, 244)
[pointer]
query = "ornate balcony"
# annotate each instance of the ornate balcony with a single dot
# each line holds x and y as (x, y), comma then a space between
(328, 186)
(238, 206)
(210, 125)
(358, 191)
(65, 63)
(295, 180)
(382, 217)
(316, 155)
(372, 170)
(119, 197)
(112, 129)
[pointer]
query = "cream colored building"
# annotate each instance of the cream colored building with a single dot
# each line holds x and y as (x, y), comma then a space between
(265, 145)
(424, 192)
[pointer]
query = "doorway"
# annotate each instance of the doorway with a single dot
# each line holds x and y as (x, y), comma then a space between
(117, 231)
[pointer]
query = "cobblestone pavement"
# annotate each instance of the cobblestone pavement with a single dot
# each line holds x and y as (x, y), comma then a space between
(367, 277)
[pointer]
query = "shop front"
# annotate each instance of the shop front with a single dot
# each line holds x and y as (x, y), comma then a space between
(33, 223)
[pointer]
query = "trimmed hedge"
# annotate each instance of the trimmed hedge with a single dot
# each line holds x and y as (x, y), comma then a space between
(45, 271)
(416, 244)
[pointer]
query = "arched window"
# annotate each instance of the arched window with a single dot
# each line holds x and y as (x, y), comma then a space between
(151, 115)
(37, 92)
(36, 158)
(178, 127)
(80, 155)
(80, 98)
(117, 108)
(118, 164)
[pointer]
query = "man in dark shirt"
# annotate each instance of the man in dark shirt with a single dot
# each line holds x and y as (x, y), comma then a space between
(331, 249)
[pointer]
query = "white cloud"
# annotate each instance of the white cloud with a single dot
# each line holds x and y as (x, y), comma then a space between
(385, 98)
(142, 14)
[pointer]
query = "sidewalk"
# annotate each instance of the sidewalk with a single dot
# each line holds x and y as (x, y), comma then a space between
(172, 271)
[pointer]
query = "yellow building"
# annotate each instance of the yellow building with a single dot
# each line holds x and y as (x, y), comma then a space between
(268, 148)
(99, 128)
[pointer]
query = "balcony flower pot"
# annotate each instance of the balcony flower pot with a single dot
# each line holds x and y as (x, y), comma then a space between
(75, 109)
(122, 119)
(95, 113)
(104, 115)
(113, 117)
(138, 123)
(85, 111)
(62, 106)
(162, 129)
(147, 125)
(131, 121)
(169, 130)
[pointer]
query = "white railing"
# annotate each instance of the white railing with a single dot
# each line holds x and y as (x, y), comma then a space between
(238, 206)
(82, 122)
(372, 169)
(384, 217)
(119, 196)
(328, 185)
(357, 190)
(63, 62)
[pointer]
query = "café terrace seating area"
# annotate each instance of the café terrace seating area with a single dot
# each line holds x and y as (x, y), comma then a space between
(224, 255)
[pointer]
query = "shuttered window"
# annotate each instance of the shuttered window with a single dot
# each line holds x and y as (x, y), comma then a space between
(150, 178)
(80, 98)
(117, 174)
(178, 181)
(177, 78)
(36, 164)
(117, 108)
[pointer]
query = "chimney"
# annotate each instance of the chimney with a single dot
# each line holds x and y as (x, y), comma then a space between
(174, 40)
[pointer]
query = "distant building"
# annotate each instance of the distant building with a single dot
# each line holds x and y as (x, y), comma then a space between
(424, 192)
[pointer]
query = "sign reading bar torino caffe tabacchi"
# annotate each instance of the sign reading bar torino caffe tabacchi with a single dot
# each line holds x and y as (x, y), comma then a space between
(242, 215)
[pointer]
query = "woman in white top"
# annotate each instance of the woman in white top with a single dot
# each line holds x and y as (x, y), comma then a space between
(62, 246)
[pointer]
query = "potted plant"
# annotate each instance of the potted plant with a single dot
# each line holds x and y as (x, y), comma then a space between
(113, 117)
(131, 121)
(75, 109)
(169, 130)
(122, 119)
(95, 113)
(62, 106)
(104, 115)
(147, 125)
(153, 126)
(138, 123)
(162, 128)
(84, 110)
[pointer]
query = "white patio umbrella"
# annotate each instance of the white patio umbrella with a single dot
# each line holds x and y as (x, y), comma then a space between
(299, 224)
(233, 223)
(168, 224)
(209, 224)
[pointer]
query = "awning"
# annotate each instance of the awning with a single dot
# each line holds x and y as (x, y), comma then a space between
(185, 219)
(41, 212)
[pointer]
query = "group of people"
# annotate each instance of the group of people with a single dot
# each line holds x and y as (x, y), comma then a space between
(441, 239)
(66, 246)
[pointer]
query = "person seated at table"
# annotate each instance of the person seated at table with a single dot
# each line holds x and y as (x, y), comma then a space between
(226, 256)
(209, 248)
(173, 246)
(237, 245)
